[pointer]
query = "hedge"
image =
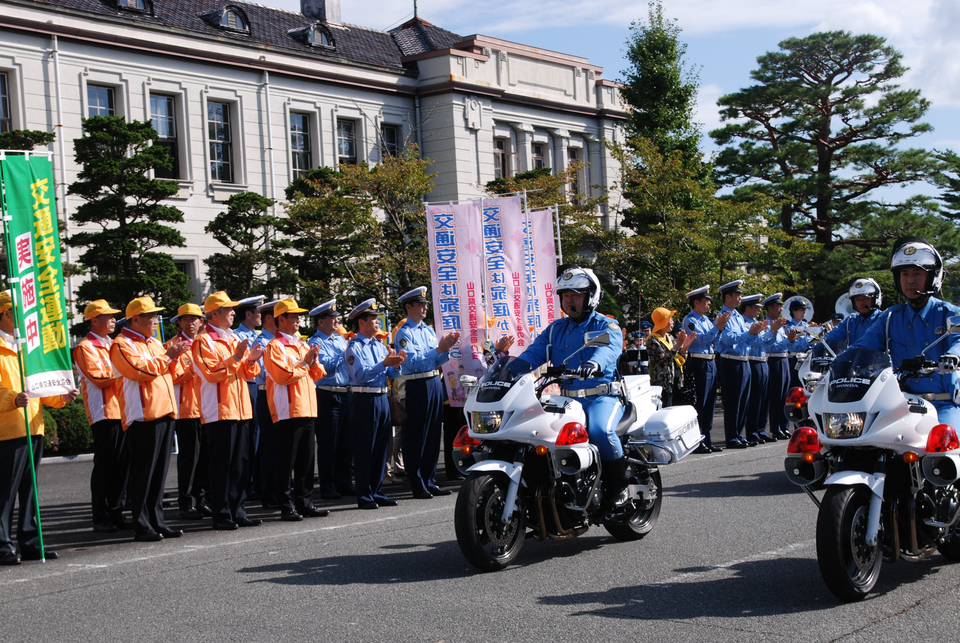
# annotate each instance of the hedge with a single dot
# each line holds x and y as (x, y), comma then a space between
(67, 431)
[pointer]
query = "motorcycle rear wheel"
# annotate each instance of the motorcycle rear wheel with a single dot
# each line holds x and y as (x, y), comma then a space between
(849, 566)
(638, 524)
(486, 542)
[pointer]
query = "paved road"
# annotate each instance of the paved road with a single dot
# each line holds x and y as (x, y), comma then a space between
(731, 559)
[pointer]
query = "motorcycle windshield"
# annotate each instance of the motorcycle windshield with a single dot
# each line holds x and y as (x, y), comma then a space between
(497, 381)
(852, 373)
(821, 358)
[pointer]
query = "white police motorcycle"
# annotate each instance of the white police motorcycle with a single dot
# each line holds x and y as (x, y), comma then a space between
(530, 466)
(890, 468)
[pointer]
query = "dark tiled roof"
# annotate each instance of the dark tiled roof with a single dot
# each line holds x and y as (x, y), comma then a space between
(419, 36)
(269, 27)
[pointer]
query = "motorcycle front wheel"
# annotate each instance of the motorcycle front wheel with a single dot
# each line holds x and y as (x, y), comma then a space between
(488, 543)
(848, 565)
(638, 523)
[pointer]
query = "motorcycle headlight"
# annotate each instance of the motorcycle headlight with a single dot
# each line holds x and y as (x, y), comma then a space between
(845, 425)
(486, 421)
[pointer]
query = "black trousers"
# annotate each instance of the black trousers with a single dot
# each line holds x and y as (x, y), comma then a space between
(229, 468)
(253, 437)
(735, 377)
(149, 444)
(193, 464)
(296, 447)
(453, 421)
(704, 374)
(779, 387)
(16, 482)
(420, 440)
(266, 450)
(111, 469)
(334, 441)
(370, 416)
(759, 402)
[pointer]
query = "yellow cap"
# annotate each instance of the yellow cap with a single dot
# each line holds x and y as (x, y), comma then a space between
(97, 308)
(142, 306)
(189, 309)
(287, 306)
(661, 318)
(218, 300)
(6, 303)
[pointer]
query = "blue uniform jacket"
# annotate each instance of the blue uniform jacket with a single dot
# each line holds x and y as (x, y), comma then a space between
(567, 338)
(766, 340)
(910, 333)
(420, 343)
(784, 345)
(735, 338)
(243, 333)
(705, 329)
(365, 363)
(262, 339)
(332, 358)
(852, 328)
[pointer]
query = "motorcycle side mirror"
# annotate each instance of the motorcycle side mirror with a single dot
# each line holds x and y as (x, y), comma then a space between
(953, 323)
(812, 376)
(468, 381)
(602, 338)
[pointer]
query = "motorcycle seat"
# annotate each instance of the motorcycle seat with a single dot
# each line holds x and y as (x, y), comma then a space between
(629, 417)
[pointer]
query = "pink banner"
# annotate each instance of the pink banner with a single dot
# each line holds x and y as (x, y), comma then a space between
(544, 305)
(456, 272)
(504, 258)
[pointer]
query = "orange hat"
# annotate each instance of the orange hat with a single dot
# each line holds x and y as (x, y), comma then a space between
(142, 306)
(187, 309)
(218, 300)
(661, 317)
(97, 308)
(287, 306)
(6, 302)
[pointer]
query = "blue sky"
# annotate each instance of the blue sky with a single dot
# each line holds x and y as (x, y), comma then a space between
(724, 37)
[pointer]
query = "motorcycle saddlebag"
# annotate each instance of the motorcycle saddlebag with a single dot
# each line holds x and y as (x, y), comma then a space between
(676, 428)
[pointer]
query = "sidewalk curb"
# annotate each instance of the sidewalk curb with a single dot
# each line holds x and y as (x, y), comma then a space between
(64, 459)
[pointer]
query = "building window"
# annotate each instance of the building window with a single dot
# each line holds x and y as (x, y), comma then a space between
(5, 125)
(136, 5)
(233, 20)
(346, 142)
(165, 122)
(221, 142)
(300, 144)
(501, 166)
(538, 163)
(100, 101)
(391, 140)
(573, 158)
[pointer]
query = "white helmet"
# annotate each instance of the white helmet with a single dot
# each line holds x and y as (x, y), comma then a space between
(867, 287)
(914, 251)
(581, 280)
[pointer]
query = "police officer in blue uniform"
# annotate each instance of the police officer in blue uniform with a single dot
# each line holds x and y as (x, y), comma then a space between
(267, 447)
(701, 364)
(778, 365)
(733, 349)
(369, 363)
(866, 298)
(758, 403)
(907, 329)
(249, 318)
(424, 393)
(579, 291)
(334, 441)
(797, 322)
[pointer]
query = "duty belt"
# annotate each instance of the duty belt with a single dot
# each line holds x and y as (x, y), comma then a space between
(261, 387)
(757, 358)
(935, 397)
(778, 354)
(334, 389)
(421, 376)
(603, 389)
(376, 390)
(701, 355)
(739, 358)
(798, 354)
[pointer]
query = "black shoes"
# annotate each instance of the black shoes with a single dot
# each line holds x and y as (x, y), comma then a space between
(767, 438)
(226, 525)
(388, 502)
(290, 516)
(313, 512)
(147, 537)
(331, 495)
(105, 527)
(370, 505)
(249, 522)
(191, 514)
(736, 444)
(703, 449)
(10, 558)
(35, 555)
(423, 495)
(166, 532)
(437, 491)
(715, 449)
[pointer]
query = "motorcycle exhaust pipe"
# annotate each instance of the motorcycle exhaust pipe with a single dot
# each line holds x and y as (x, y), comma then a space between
(941, 470)
(803, 473)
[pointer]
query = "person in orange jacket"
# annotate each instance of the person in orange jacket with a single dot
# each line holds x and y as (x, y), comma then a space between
(148, 409)
(100, 388)
(225, 364)
(292, 368)
(192, 459)
(15, 482)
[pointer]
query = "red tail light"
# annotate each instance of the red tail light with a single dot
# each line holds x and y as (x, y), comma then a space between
(464, 442)
(797, 396)
(942, 438)
(572, 433)
(804, 440)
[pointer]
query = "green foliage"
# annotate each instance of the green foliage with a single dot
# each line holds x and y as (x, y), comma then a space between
(254, 265)
(122, 257)
(66, 430)
(22, 139)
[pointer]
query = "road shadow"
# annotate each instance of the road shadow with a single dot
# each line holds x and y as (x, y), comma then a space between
(747, 485)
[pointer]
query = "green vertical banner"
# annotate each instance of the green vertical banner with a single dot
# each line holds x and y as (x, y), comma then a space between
(36, 281)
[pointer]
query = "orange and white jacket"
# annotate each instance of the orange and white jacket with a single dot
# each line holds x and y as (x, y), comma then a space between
(12, 425)
(99, 383)
(290, 383)
(223, 379)
(147, 390)
(186, 381)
